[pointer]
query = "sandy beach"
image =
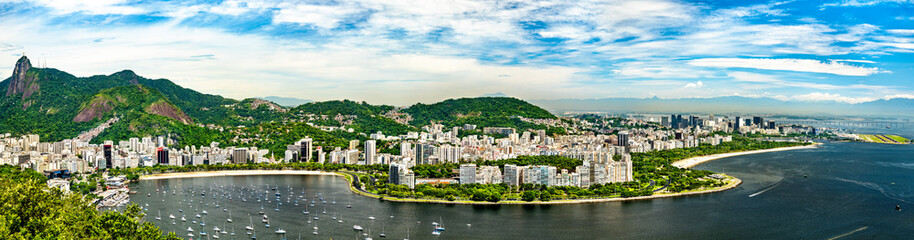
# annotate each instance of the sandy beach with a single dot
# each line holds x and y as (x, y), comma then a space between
(232, 173)
(691, 162)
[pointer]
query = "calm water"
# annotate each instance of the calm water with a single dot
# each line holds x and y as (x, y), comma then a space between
(847, 186)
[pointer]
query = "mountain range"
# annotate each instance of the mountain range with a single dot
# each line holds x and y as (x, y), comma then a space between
(57, 105)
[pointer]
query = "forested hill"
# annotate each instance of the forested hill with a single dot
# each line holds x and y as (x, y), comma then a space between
(57, 105)
(482, 111)
(344, 107)
(47, 101)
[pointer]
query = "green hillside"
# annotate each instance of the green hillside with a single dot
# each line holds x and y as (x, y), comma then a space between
(344, 107)
(57, 105)
(368, 118)
(483, 112)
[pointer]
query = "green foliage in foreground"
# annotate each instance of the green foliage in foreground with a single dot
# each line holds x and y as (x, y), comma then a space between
(31, 210)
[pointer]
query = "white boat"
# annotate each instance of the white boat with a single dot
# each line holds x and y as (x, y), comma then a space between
(357, 227)
(280, 231)
(160, 216)
(171, 216)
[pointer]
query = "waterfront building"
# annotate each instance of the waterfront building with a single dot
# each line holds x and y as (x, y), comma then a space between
(512, 174)
(467, 173)
(240, 156)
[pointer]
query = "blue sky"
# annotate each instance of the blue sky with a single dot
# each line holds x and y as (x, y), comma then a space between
(400, 52)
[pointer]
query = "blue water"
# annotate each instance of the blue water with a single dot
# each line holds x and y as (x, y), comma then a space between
(804, 194)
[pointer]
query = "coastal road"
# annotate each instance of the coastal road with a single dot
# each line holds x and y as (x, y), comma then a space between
(355, 178)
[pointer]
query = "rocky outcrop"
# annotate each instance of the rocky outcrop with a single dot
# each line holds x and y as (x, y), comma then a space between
(165, 109)
(256, 103)
(20, 81)
(128, 75)
(97, 107)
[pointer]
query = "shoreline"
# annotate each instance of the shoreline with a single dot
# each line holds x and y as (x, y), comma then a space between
(695, 161)
(224, 173)
(732, 182)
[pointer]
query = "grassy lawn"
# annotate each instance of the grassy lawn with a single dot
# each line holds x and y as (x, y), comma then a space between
(883, 138)
(898, 138)
(870, 138)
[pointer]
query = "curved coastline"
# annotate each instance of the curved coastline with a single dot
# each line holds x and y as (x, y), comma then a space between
(732, 182)
(692, 162)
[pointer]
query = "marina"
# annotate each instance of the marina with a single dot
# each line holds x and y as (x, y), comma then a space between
(823, 174)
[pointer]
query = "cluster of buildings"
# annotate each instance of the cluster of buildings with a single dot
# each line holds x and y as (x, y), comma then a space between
(78, 156)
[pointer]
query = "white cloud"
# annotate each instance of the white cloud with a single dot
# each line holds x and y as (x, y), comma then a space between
(901, 31)
(694, 85)
(91, 7)
(317, 15)
(818, 96)
(863, 3)
(787, 64)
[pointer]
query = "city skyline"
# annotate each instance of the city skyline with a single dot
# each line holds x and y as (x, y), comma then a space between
(844, 51)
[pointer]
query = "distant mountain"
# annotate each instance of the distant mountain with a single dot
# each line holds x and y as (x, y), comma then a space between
(482, 111)
(343, 107)
(287, 101)
(57, 105)
(899, 107)
(498, 94)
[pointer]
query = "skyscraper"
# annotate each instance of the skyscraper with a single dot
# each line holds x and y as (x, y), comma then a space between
(107, 152)
(240, 155)
(423, 151)
(758, 121)
(370, 152)
(162, 156)
(467, 173)
(304, 154)
(623, 139)
(665, 121)
(394, 174)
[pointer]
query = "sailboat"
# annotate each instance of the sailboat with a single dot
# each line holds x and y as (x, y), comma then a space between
(229, 218)
(382, 233)
(160, 216)
(439, 227)
(407, 234)
(250, 227)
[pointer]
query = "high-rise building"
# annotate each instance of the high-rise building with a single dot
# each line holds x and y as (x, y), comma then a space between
(467, 173)
(737, 124)
(162, 156)
(423, 151)
(370, 152)
(405, 149)
(757, 121)
(240, 156)
(665, 121)
(107, 151)
(394, 174)
(512, 174)
(305, 150)
(623, 139)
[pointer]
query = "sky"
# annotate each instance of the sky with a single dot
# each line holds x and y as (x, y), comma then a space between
(401, 52)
